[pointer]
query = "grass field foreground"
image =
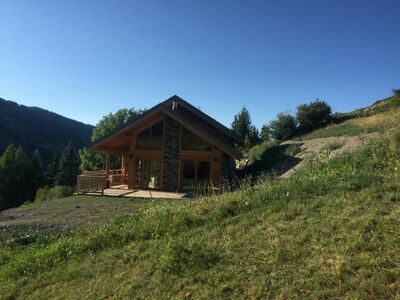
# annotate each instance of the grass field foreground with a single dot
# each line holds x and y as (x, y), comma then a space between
(330, 231)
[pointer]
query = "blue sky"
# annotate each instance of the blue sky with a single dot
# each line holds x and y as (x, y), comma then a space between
(84, 59)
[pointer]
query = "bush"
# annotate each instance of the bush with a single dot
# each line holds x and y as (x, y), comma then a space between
(313, 115)
(59, 191)
(283, 127)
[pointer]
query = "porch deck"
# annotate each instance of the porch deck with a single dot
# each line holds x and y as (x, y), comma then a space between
(123, 191)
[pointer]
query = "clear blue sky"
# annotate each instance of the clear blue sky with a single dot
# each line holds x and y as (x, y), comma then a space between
(84, 59)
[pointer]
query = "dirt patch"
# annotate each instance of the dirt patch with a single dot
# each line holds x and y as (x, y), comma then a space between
(310, 148)
(71, 213)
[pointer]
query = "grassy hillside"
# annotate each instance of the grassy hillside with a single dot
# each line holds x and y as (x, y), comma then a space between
(346, 133)
(379, 116)
(330, 231)
(32, 127)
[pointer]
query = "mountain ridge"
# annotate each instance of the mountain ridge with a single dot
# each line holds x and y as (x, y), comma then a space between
(33, 128)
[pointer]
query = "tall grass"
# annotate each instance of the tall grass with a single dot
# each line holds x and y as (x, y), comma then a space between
(331, 231)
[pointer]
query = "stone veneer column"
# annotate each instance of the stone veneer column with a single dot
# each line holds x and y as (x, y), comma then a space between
(171, 155)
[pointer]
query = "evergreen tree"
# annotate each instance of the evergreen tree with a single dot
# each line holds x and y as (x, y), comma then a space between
(254, 135)
(241, 123)
(243, 127)
(14, 173)
(68, 168)
(37, 173)
(52, 169)
(265, 133)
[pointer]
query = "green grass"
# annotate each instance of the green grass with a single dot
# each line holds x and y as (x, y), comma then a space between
(329, 232)
(332, 146)
(66, 214)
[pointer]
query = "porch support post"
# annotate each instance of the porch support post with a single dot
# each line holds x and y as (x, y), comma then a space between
(107, 165)
(123, 166)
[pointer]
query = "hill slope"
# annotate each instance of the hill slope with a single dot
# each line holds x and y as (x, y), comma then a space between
(348, 132)
(32, 127)
(328, 232)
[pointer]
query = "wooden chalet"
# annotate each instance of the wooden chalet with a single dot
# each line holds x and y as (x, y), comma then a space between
(171, 147)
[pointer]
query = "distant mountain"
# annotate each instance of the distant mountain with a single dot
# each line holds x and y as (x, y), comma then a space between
(33, 127)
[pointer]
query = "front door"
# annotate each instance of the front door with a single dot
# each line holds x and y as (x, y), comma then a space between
(148, 173)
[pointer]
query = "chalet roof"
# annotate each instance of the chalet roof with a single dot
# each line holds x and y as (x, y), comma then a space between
(191, 118)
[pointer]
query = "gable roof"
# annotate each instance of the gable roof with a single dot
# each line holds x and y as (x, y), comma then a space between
(190, 117)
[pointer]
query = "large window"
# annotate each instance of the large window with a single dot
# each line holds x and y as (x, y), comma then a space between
(148, 173)
(195, 174)
(151, 138)
(193, 142)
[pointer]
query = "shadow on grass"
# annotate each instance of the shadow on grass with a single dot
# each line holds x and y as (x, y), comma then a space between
(272, 160)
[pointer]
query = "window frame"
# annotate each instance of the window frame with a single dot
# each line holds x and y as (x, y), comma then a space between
(196, 161)
(150, 136)
(197, 137)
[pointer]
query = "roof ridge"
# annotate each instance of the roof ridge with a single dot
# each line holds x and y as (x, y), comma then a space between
(198, 112)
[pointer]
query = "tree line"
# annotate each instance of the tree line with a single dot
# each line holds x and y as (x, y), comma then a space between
(25, 179)
(22, 176)
(308, 117)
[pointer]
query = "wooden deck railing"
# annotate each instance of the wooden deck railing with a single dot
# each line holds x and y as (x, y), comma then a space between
(91, 184)
(96, 181)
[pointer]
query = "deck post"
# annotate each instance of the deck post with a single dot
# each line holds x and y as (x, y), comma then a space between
(123, 167)
(108, 160)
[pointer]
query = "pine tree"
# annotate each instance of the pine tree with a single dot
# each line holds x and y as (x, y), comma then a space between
(36, 176)
(52, 169)
(254, 135)
(265, 133)
(68, 168)
(14, 173)
(241, 123)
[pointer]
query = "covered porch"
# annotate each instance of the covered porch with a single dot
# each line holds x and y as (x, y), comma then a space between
(114, 181)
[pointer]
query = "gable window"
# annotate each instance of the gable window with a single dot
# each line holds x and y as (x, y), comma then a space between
(193, 142)
(151, 138)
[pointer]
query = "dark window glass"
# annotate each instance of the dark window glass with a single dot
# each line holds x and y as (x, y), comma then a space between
(151, 138)
(189, 175)
(195, 174)
(157, 133)
(138, 176)
(203, 173)
(193, 142)
(143, 140)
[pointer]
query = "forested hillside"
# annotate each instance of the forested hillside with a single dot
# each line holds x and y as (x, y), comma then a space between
(35, 128)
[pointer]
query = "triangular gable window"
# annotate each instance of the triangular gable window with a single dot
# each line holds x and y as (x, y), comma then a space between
(151, 138)
(193, 142)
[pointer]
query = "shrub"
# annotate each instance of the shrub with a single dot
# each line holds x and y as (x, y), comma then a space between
(313, 115)
(46, 193)
(283, 127)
